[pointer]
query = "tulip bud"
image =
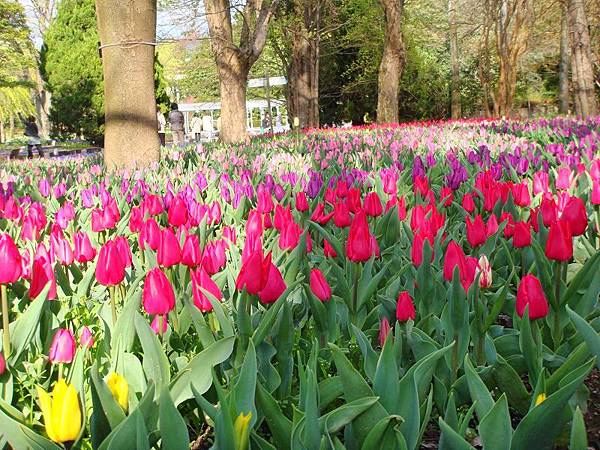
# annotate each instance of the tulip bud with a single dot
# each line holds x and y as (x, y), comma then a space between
(476, 231)
(531, 294)
(62, 349)
(522, 235)
(10, 260)
(405, 309)
(178, 213)
(328, 250)
(241, 426)
(319, 285)
(559, 245)
(485, 269)
(86, 339)
(274, 285)
(159, 325)
(119, 388)
(61, 412)
(191, 254)
(372, 205)
(361, 244)
(574, 212)
(110, 269)
(157, 296)
(169, 252)
(384, 330)
(84, 252)
(202, 281)
(301, 201)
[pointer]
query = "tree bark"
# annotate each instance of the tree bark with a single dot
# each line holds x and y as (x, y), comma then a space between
(131, 137)
(563, 73)
(392, 62)
(586, 103)
(455, 104)
(303, 70)
(234, 61)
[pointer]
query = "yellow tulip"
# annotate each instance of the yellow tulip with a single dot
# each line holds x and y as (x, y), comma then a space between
(241, 431)
(540, 398)
(119, 388)
(61, 411)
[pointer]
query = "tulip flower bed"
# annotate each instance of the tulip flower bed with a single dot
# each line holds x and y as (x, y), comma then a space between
(341, 289)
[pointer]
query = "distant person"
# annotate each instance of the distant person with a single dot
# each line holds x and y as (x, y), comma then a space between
(33, 135)
(177, 124)
(162, 124)
(196, 127)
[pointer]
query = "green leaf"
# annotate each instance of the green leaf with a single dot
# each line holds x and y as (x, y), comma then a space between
(24, 328)
(155, 362)
(480, 394)
(550, 415)
(19, 436)
(509, 382)
(245, 388)
(454, 441)
(106, 406)
(578, 439)
(355, 387)
(385, 435)
(385, 383)
(198, 370)
(173, 432)
(495, 428)
(279, 425)
(335, 420)
(589, 335)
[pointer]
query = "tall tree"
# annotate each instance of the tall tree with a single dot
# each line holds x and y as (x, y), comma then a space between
(586, 103)
(300, 23)
(563, 67)
(455, 106)
(513, 25)
(392, 62)
(234, 60)
(127, 31)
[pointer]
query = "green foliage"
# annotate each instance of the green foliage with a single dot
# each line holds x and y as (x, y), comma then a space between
(70, 63)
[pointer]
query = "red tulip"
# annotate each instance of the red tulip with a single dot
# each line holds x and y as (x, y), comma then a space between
(341, 190)
(520, 194)
(136, 219)
(124, 250)
(319, 285)
(110, 269)
(213, 257)
(61, 249)
(372, 205)
(360, 245)
(62, 349)
(509, 228)
(191, 254)
(492, 225)
(254, 273)
(229, 233)
(150, 234)
(2, 364)
(467, 265)
(548, 209)
(201, 280)
(84, 252)
(574, 212)
(467, 203)
(178, 213)
(522, 235)
(353, 200)
(10, 260)
(169, 252)
(476, 231)
(328, 250)
(274, 285)
(159, 322)
(290, 236)
(405, 309)
(153, 205)
(319, 215)
(282, 217)
(341, 215)
(559, 246)
(264, 201)
(42, 273)
(301, 201)
(595, 198)
(530, 293)
(158, 296)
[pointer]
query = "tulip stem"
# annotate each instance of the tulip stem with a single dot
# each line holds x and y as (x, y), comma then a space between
(60, 371)
(5, 329)
(113, 304)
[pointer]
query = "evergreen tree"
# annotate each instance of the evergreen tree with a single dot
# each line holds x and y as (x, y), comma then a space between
(70, 63)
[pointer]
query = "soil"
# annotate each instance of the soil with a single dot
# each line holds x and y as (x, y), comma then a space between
(592, 416)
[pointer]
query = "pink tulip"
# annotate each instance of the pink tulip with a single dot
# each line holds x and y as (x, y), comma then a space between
(62, 349)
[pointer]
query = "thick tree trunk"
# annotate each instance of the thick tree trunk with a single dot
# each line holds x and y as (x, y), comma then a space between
(233, 80)
(131, 137)
(586, 103)
(563, 73)
(455, 104)
(392, 62)
(42, 107)
(303, 76)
